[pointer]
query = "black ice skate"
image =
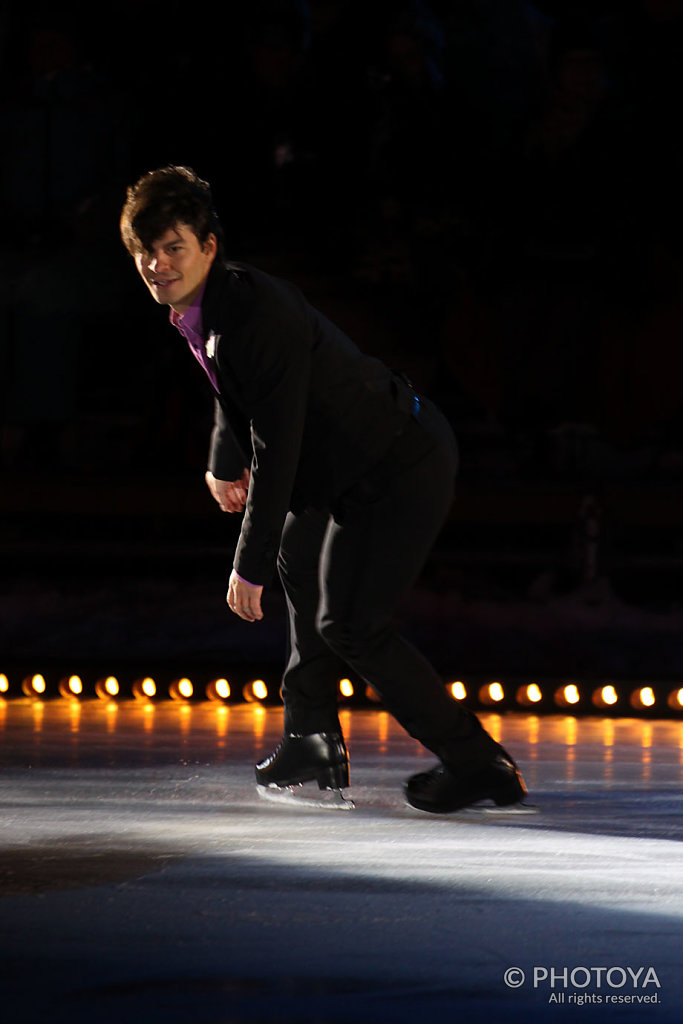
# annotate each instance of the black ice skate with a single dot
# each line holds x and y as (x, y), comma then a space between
(499, 787)
(318, 757)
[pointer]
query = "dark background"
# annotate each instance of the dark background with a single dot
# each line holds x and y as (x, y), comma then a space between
(485, 193)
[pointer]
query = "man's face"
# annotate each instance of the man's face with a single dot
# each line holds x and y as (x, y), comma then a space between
(175, 268)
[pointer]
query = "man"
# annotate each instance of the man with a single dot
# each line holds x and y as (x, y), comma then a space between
(345, 476)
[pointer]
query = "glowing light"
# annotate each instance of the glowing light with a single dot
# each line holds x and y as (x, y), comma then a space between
(4, 684)
(568, 695)
(347, 721)
(491, 693)
(382, 731)
(643, 698)
(255, 691)
(222, 715)
(107, 688)
(605, 696)
(75, 715)
(218, 689)
(181, 689)
(144, 689)
(530, 694)
(608, 694)
(494, 724)
(675, 699)
(608, 738)
(533, 731)
(223, 688)
(34, 686)
(571, 731)
(38, 716)
(346, 687)
(258, 723)
(458, 690)
(71, 687)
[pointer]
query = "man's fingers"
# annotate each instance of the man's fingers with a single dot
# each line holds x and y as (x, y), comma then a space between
(249, 610)
(244, 600)
(231, 495)
(232, 502)
(235, 499)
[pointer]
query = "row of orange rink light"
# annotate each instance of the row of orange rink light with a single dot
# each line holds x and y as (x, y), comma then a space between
(618, 698)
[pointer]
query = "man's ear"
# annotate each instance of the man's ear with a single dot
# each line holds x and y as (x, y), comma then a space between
(210, 246)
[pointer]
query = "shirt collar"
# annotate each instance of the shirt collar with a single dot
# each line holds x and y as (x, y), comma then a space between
(191, 319)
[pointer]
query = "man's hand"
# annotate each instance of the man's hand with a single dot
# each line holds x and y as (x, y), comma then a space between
(244, 599)
(231, 495)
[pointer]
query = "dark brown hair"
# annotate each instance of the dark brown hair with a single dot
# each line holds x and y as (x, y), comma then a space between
(163, 198)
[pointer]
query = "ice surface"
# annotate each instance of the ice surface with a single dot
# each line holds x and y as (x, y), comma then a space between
(144, 879)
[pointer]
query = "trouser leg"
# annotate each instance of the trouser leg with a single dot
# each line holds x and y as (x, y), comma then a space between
(344, 576)
(309, 685)
(372, 553)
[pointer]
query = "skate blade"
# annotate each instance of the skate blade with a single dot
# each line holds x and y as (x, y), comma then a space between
(492, 810)
(290, 796)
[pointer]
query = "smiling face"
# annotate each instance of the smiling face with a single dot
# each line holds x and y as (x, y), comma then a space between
(176, 266)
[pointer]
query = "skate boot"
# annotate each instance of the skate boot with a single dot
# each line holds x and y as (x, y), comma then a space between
(442, 790)
(318, 757)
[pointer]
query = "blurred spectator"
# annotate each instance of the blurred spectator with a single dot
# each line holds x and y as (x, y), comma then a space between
(58, 124)
(491, 185)
(557, 200)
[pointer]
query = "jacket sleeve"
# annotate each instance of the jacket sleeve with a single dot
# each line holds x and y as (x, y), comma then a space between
(227, 460)
(271, 363)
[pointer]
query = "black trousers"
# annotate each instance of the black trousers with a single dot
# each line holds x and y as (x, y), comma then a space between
(344, 572)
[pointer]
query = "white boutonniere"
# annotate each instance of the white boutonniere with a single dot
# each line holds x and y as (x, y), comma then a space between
(211, 343)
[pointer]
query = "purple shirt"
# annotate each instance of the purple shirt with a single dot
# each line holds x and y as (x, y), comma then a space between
(190, 326)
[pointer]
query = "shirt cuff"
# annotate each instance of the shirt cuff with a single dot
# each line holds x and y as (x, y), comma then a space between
(242, 580)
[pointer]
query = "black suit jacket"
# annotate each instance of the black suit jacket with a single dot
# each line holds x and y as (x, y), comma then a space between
(297, 403)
